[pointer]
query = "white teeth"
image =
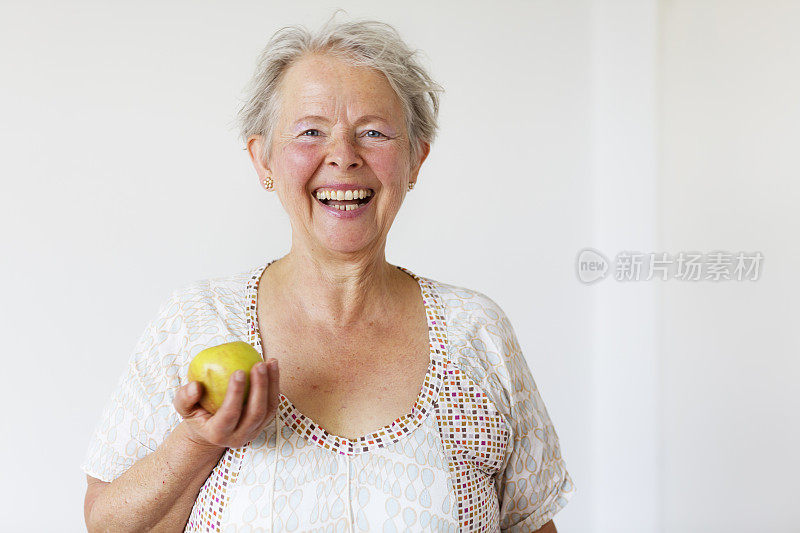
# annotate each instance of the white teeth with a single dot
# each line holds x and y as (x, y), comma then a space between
(353, 194)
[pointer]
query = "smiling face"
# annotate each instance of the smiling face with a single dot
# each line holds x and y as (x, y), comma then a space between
(341, 128)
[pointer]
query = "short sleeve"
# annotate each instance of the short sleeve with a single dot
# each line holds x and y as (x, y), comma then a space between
(533, 483)
(139, 415)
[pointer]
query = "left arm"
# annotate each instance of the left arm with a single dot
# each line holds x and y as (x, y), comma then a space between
(549, 527)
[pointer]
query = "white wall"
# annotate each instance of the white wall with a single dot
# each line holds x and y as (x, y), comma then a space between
(730, 129)
(122, 179)
(625, 445)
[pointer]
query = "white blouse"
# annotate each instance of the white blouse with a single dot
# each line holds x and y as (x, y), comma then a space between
(477, 452)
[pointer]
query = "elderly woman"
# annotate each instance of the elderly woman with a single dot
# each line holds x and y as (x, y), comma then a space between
(386, 400)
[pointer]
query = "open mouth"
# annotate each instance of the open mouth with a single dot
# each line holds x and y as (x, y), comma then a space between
(344, 200)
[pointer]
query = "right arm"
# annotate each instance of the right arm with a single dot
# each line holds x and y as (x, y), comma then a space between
(159, 490)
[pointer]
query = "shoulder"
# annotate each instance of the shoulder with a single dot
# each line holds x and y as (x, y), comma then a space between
(220, 288)
(212, 296)
(194, 315)
(480, 337)
(194, 312)
(483, 343)
(472, 314)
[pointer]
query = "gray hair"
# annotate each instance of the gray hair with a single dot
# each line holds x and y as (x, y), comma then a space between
(366, 43)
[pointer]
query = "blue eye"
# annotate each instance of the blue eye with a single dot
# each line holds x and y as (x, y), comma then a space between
(374, 131)
(304, 133)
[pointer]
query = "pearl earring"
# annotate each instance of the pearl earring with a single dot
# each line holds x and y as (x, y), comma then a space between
(411, 185)
(267, 183)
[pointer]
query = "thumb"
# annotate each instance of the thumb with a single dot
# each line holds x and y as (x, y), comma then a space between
(186, 400)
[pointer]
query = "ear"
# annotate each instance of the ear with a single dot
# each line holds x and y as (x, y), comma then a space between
(255, 145)
(425, 149)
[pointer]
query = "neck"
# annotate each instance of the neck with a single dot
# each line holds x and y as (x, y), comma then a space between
(336, 289)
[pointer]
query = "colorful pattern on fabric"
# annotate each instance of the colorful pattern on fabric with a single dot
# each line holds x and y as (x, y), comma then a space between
(477, 452)
(212, 500)
(475, 437)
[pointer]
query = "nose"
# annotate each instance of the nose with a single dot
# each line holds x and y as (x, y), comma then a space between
(343, 152)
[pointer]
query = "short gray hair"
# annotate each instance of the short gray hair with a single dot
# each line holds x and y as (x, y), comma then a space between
(366, 43)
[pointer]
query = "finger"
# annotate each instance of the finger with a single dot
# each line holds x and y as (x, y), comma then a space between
(227, 417)
(186, 398)
(256, 408)
(274, 399)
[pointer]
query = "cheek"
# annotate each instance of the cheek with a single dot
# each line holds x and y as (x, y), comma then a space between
(389, 164)
(300, 161)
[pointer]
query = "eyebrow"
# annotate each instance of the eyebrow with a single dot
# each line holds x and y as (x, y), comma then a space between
(365, 118)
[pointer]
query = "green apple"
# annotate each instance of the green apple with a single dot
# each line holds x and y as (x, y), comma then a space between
(213, 368)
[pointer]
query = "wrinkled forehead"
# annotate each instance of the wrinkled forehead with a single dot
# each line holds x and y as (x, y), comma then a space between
(326, 87)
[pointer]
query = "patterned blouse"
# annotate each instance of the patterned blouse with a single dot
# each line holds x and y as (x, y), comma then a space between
(477, 452)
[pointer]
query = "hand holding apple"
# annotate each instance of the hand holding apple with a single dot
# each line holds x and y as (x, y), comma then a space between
(231, 396)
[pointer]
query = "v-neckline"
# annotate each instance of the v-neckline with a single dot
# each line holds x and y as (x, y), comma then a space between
(306, 428)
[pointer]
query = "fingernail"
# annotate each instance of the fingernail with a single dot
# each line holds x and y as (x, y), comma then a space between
(194, 388)
(238, 375)
(273, 365)
(262, 368)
